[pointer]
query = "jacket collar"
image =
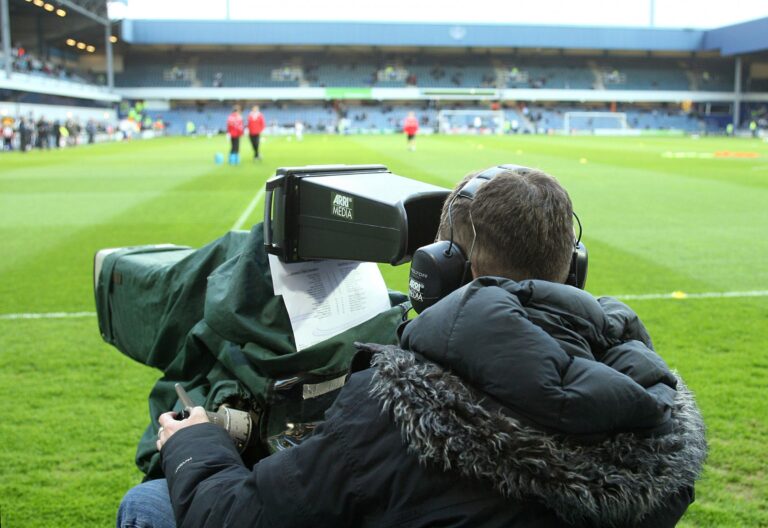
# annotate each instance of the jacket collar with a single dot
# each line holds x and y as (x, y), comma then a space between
(549, 353)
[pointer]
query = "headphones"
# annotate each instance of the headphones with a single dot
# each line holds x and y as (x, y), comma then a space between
(441, 267)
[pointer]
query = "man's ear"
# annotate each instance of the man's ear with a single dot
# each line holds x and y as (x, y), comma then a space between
(475, 274)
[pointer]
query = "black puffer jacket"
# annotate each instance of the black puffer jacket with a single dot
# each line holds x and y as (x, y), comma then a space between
(509, 404)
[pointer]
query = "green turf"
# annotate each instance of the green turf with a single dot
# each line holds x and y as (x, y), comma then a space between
(74, 407)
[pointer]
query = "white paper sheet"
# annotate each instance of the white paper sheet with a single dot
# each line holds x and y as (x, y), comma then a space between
(326, 297)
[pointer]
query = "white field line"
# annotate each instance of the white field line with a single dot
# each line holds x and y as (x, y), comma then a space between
(248, 210)
(679, 295)
(49, 315)
(72, 315)
(676, 296)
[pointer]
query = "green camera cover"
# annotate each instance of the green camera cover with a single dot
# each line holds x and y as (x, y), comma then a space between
(208, 319)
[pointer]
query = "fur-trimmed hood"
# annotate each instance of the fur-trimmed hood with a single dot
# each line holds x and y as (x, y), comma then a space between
(549, 394)
(614, 482)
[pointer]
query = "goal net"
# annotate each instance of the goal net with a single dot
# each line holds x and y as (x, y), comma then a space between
(597, 123)
(470, 121)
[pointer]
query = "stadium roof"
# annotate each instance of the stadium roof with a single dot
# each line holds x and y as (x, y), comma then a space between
(747, 37)
(33, 27)
(95, 7)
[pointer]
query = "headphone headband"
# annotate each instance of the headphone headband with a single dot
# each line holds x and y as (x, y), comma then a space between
(471, 187)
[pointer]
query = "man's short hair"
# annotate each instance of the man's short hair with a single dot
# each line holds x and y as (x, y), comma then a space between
(523, 226)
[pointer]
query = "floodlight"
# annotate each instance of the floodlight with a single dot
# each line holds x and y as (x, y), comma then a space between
(71, 42)
(61, 12)
(90, 49)
(38, 3)
(48, 7)
(113, 39)
(81, 45)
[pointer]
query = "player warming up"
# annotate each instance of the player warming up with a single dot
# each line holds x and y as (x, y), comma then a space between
(411, 127)
(255, 128)
(235, 129)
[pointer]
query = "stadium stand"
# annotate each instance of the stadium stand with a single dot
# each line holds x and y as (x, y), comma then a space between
(367, 76)
(243, 70)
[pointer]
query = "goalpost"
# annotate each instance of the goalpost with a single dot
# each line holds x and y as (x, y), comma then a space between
(597, 123)
(471, 121)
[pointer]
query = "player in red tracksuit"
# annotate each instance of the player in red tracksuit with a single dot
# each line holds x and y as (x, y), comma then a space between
(255, 128)
(410, 127)
(235, 129)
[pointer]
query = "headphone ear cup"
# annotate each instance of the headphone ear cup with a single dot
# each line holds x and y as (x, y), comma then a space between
(436, 270)
(577, 274)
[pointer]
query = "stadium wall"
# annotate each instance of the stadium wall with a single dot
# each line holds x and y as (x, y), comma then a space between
(60, 112)
(45, 85)
(419, 94)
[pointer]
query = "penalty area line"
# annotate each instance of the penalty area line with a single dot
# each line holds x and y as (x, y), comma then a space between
(49, 315)
(676, 296)
(248, 210)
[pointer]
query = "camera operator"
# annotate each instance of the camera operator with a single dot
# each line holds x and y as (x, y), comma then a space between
(516, 400)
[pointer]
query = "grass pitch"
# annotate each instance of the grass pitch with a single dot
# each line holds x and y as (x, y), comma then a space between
(660, 215)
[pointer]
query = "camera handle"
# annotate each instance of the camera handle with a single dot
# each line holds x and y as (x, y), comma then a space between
(238, 424)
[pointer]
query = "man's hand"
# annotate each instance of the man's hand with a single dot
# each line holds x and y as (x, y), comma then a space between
(169, 424)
